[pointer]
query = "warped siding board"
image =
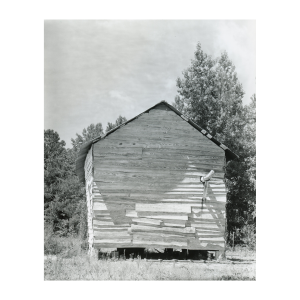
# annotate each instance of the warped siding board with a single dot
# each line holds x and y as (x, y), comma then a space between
(158, 238)
(172, 224)
(211, 239)
(100, 217)
(146, 186)
(113, 234)
(180, 133)
(131, 213)
(112, 207)
(159, 241)
(205, 216)
(99, 245)
(111, 229)
(99, 207)
(165, 117)
(141, 228)
(170, 171)
(163, 187)
(181, 139)
(163, 216)
(172, 221)
(119, 152)
(149, 181)
(101, 214)
(159, 244)
(119, 202)
(208, 226)
(156, 172)
(146, 221)
(172, 177)
(200, 231)
(155, 165)
(163, 142)
(157, 215)
(102, 222)
(165, 235)
(207, 208)
(181, 152)
(163, 126)
(211, 235)
(98, 240)
(161, 207)
(102, 227)
(216, 221)
(139, 133)
(158, 194)
(181, 158)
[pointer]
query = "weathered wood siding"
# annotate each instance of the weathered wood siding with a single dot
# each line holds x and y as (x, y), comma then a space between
(147, 192)
(88, 169)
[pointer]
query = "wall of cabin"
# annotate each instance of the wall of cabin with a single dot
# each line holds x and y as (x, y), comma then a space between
(88, 169)
(145, 189)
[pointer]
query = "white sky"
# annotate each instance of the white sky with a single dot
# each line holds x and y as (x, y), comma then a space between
(98, 70)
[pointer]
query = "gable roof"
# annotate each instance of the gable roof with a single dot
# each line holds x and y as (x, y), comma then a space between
(86, 147)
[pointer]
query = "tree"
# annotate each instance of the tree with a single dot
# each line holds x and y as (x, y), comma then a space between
(211, 95)
(241, 182)
(62, 189)
(56, 165)
(120, 120)
(91, 132)
(64, 210)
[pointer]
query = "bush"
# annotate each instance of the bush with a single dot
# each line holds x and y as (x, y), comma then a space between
(52, 246)
(64, 246)
(248, 236)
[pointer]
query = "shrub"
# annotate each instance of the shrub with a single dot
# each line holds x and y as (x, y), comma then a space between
(52, 246)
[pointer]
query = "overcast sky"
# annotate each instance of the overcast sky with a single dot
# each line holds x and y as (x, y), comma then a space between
(98, 70)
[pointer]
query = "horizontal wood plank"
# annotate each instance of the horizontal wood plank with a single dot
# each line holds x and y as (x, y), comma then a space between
(163, 216)
(140, 228)
(163, 207)
(147, 221)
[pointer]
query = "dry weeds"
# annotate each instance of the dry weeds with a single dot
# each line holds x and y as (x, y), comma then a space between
(85, 268)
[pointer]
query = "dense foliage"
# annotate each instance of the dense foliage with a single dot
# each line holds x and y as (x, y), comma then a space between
(64, 195)
(65, 208)
(211, 95)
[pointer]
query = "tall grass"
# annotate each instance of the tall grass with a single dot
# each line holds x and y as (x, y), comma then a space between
(66, 258)
(241, 253)
(83, 267)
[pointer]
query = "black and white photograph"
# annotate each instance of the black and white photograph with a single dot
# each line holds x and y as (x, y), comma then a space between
(149, 150)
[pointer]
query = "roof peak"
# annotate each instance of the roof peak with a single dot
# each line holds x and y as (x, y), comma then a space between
(85, 148)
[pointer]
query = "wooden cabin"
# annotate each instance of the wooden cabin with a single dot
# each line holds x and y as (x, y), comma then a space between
(143, 184)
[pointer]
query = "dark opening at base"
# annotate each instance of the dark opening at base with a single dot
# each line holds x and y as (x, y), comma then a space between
(153, 253)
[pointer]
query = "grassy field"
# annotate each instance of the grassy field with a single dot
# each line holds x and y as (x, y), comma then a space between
(75, 264)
